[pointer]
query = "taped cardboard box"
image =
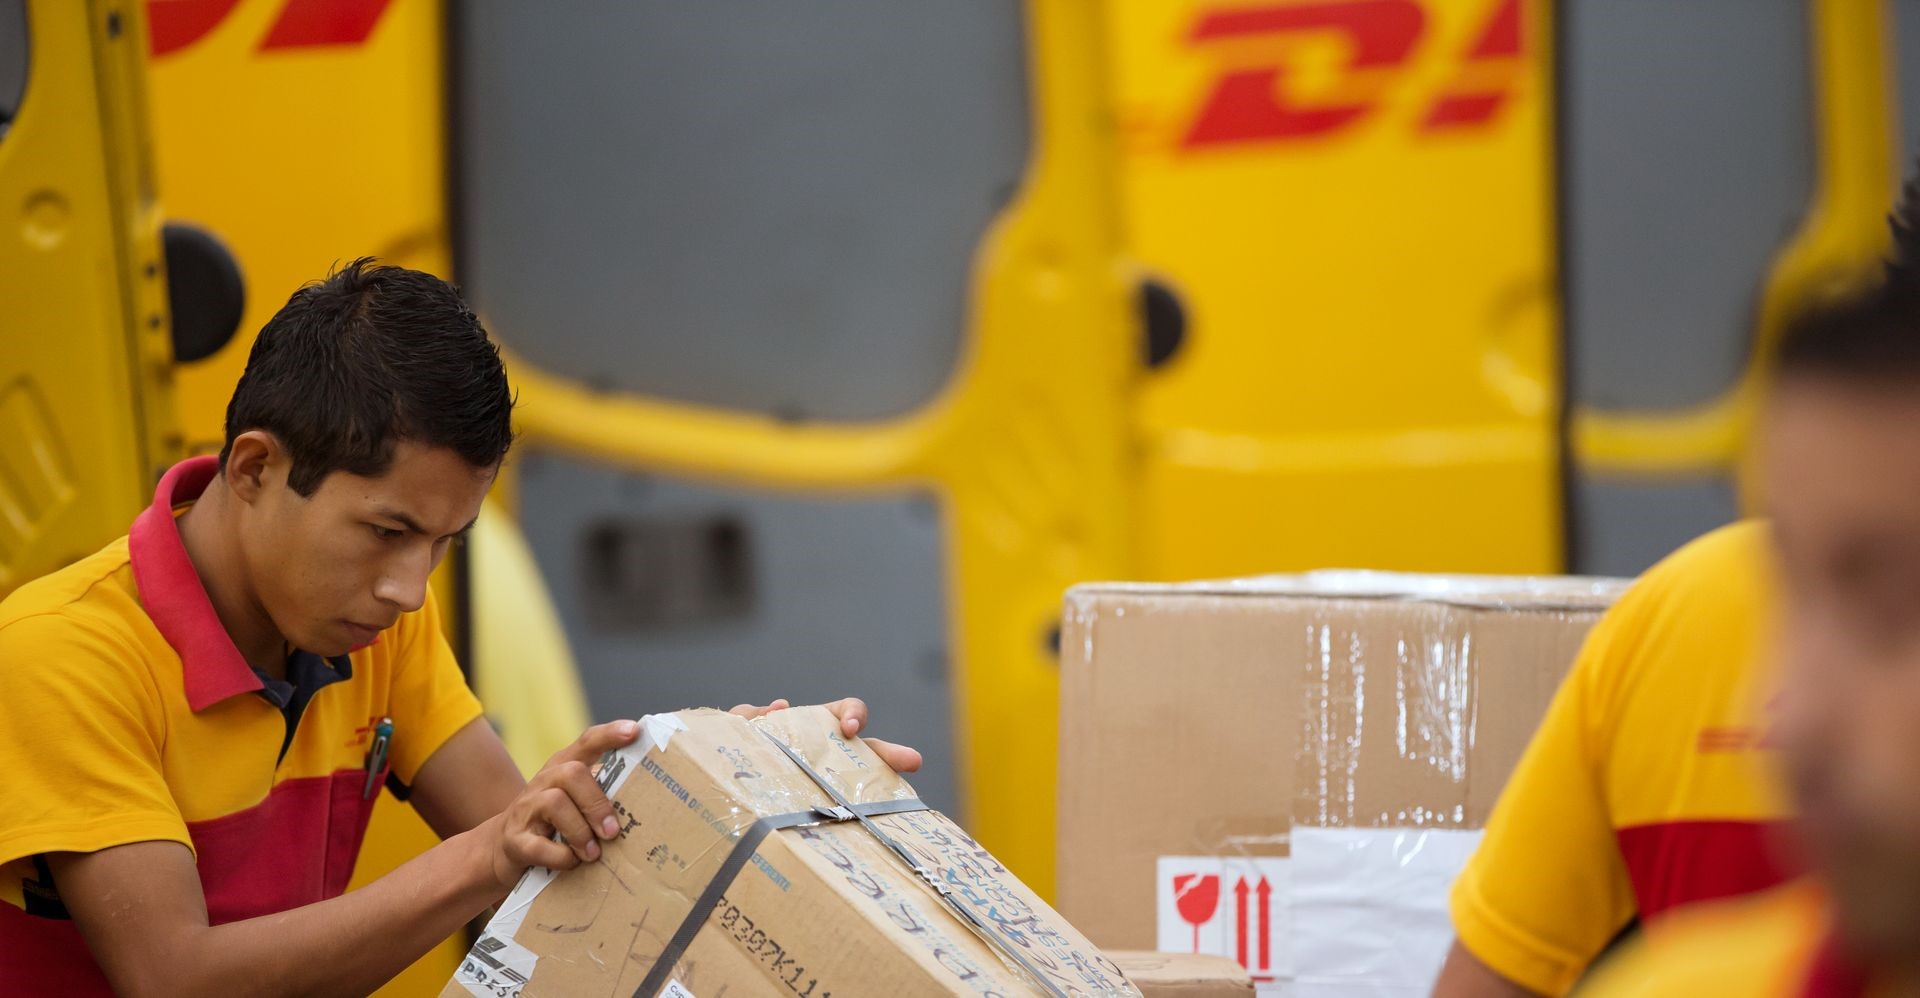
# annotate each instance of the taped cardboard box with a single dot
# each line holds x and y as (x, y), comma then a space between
(1184, 975)
(1243, 756)
(760, 858)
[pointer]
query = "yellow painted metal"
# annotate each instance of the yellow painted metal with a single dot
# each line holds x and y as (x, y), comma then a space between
(299, 158)
(86, 416)
(1025, 445)
(1840, 241)
(1366, 254)
(521, 665)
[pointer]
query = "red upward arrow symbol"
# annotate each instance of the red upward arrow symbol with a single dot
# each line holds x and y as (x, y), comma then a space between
(1240, 906)
(1266, 906)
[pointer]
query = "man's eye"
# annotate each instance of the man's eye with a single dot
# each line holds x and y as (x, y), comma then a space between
(384, 533)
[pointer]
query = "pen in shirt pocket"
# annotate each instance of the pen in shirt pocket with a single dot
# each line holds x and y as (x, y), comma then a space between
(377, 757)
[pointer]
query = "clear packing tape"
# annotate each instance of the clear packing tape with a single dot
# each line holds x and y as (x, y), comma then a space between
(1418, 696)
(1407, 694)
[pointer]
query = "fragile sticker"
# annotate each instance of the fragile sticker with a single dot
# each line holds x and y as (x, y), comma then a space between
(1231, 906)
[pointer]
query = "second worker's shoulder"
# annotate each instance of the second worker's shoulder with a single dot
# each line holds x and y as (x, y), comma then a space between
(1722, 579)
(1738, 552)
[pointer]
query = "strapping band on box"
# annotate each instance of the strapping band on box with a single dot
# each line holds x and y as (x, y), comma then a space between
(843, 810)
(743, 850)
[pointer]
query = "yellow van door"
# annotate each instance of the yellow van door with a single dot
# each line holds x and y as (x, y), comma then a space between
(1350, 203)
(85, 411)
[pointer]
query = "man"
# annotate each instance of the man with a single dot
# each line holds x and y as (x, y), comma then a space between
(195, 720)
(1646, 788)
(1840, 473)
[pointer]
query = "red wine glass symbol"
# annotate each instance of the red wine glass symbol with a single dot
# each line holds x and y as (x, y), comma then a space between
(1196, 897)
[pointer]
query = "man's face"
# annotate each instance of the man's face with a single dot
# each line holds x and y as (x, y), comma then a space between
(1841, 476)
(334, 569)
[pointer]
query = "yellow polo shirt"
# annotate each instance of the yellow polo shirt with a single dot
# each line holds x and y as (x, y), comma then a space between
(127, 715)
(1777, 943)
(1648, 784)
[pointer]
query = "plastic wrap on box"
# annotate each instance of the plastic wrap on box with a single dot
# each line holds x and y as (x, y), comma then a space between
(1369, 908)
(1394, 689)
(1410, 722)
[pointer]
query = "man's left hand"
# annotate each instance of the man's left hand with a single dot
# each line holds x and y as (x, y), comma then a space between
(852, 713)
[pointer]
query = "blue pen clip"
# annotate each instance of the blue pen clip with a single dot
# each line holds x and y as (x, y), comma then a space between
(377, 757)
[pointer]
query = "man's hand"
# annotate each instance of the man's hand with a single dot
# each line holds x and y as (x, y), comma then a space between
(562, 797)
(852, 713)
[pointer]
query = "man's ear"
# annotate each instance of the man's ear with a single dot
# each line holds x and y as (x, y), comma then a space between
(254, 460)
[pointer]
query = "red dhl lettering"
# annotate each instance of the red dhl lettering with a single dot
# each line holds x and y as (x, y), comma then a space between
(1255, 104)
(173, 25)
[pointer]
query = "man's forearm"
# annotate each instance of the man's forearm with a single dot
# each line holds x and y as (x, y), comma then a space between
(468, 780)
(348, 945)
(1464, 976)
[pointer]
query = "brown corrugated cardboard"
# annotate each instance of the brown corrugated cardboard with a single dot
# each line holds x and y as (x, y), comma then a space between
(1210, 719)
(822, 908)
(1184, 975)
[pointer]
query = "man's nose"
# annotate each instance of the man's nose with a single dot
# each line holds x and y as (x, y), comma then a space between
(404, 583)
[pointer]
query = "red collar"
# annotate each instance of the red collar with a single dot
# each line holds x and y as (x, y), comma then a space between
(171, 593)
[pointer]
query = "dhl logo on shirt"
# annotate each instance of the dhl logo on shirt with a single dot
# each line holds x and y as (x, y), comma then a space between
(363, 732)
(1731, 739)
(1727, 739)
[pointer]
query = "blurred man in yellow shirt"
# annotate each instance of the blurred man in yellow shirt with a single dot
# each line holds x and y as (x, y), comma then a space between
(1840, 470)
(1648, 786)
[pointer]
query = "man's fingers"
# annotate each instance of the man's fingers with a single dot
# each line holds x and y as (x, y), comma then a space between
(899, 758)
(597, 741)
(536, 850)
(749, 711)
(556, 807)
(852, 713)
(585, 798)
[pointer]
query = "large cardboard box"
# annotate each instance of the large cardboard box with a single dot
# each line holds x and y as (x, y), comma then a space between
(1184, 975)
(1289, 765)
(774, 857)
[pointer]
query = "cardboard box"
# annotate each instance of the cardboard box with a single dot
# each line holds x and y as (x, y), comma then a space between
(1234, 752)
(1184, 975)
(738, 873)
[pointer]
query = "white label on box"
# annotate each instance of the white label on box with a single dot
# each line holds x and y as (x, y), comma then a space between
(1231, 906)
(496, 966)
(1370, 908)
(675, 989)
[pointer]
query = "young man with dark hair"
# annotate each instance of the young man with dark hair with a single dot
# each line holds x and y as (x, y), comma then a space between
(1840, 479)
(195, 720)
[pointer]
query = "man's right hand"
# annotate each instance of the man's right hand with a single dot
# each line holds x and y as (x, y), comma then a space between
(562, 797)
